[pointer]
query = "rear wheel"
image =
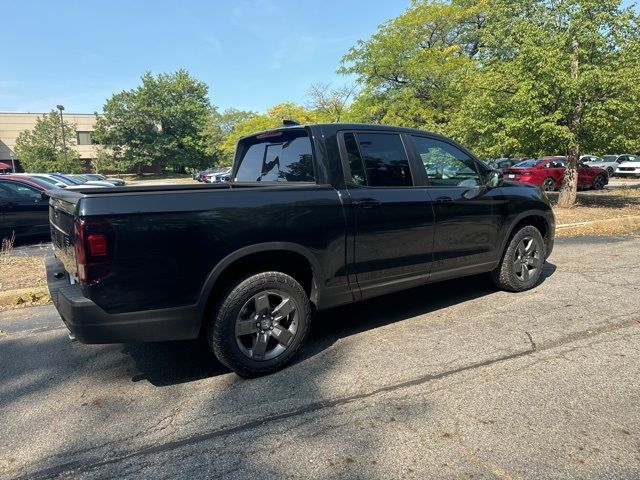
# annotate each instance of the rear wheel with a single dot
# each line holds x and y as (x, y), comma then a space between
(598, 182)
(522, 262)
(549, 184)
(610, 171)
(261, 324)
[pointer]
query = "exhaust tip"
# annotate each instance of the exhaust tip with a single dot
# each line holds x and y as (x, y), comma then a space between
(72, 337)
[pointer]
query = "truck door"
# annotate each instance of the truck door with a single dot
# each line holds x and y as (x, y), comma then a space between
(392, 218)
(468, 215)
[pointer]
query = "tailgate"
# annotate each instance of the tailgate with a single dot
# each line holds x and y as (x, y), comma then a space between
(61, 218)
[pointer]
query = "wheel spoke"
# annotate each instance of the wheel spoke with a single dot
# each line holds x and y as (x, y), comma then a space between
(283, 309)
(262, 303)
(529, 246)
(535, 262)
(522, 247)
(524, 271)
(260, 346)
(282, 335)
(246, 327)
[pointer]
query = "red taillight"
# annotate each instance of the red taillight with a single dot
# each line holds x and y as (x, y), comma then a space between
(97, 244)
(94, 244)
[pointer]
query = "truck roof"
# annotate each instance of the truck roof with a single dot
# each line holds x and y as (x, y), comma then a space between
(333, 127)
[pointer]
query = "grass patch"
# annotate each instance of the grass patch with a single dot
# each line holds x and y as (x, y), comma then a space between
(23, 280)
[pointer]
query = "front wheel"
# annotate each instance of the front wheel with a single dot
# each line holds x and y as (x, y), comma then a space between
(610, 171)
(521, 265)
(261, 324)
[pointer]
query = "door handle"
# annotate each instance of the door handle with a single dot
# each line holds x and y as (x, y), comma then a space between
(368, 203)
(444, 200)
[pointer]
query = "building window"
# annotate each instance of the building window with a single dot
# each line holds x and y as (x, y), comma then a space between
(85, 138)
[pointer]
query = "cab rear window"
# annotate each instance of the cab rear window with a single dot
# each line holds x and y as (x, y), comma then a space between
(278, 156)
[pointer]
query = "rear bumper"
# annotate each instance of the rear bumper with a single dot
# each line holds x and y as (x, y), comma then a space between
(91, 324)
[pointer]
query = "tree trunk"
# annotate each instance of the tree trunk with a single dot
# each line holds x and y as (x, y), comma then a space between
(569, 188)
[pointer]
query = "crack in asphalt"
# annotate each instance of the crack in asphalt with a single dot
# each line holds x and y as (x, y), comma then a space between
(79, 466)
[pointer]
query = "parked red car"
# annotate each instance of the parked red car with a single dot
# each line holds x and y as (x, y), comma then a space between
(25, 179)
(548, 174)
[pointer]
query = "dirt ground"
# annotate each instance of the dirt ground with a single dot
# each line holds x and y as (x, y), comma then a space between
(22, 281)
(606, 212)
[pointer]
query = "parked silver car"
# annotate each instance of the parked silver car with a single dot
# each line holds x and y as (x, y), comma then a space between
(608, 162)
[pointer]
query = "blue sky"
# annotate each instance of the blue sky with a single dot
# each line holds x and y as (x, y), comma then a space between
(251, 53)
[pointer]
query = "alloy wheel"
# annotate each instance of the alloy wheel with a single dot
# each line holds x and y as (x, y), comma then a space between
(548, 185)
(598, 182)
(528, 259)
(267, 324)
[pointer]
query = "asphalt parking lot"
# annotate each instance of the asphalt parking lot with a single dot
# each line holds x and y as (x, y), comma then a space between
(455, 380)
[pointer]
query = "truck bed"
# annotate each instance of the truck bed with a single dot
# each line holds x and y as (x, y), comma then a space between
(168, 238)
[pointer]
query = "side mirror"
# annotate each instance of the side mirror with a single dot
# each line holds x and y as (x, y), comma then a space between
(495, 179)
(43, 196)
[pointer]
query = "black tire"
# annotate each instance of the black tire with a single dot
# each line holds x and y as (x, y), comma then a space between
(237, 350)
(509, 273)
(548, 185)
(599, 182)
(610, 171)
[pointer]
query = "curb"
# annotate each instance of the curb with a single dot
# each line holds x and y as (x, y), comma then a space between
(628, 221)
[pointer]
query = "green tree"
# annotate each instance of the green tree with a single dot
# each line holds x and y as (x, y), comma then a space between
(219, 128)
(42, 149)
(557, 77)
(163, 120)
(413, 71)
(329, 104)
(507, 76)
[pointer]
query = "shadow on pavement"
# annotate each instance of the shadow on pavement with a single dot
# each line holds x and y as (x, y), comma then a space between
(170, 363)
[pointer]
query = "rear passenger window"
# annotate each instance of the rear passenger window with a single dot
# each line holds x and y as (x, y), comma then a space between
(384, 159)
(278, 156)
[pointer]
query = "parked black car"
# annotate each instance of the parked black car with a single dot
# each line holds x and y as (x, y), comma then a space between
(314, 217)
(24, 210)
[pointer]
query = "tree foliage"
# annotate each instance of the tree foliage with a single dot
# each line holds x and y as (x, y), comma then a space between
(220, 127)
(507, 77)
(163, 120)
(329, 104)
(42, 149)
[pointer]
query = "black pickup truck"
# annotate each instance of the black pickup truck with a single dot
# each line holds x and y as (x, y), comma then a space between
(314, 217)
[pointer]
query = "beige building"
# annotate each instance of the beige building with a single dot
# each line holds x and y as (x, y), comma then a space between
(11, 124)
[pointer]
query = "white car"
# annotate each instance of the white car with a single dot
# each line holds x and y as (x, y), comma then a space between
(630, 167)
(608, 162)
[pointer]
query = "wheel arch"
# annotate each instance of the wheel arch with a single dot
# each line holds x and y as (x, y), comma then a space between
(290, 258)
(534, 218)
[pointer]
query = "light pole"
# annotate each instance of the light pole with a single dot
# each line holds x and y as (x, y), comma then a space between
(64, 143)
(13, 161)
